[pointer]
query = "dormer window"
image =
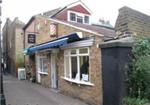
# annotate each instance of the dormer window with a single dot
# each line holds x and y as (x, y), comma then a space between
(78, 17)
(86, 19)
(72, 16)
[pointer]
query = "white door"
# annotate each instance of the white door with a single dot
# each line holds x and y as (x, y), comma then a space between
(53, 71)
(38, 69)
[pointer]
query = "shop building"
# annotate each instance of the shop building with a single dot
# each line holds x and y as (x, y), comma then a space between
(65, 56)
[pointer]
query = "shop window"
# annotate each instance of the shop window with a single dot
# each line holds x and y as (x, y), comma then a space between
(43, 65)
(77, 64)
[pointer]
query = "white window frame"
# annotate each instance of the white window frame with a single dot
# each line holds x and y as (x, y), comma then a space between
(70, 16)
(41, 69)
(78, 14)
(67, 53)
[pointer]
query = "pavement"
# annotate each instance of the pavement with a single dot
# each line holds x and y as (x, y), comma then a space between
(23, 92)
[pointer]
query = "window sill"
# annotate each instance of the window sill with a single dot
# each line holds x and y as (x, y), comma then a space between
(44, 73)
(78, 82)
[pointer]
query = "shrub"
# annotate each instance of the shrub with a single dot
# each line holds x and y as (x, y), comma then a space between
(139, 74)
(134, 101)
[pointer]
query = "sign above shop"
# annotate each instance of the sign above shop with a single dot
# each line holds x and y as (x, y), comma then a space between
(31, 38)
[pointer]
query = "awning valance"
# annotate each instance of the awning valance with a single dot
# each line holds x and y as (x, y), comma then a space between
(53, 44)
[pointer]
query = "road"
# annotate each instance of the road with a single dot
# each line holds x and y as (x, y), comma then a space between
(21, 92)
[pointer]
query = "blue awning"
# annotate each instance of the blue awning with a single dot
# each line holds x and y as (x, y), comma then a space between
(53, 44)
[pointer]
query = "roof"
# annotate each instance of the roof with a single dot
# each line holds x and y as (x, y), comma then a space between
(109, 26)
(123, 42)
(77, 3)
(54, 12)
(101, 30)
(51, 12)
(29, 22)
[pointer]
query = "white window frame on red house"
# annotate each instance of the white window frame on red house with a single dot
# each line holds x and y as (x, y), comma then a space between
(78, 16)
(68, 70)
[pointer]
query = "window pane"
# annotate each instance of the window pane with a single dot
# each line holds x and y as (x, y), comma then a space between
(41, 65)
(84, 68)
(83, 51)
(72, 16)
(67, 67)
(79, 19)
(74, 66)
(86, 19)
(45, 66)
(73, 51)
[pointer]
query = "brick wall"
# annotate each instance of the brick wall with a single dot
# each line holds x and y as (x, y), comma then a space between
(14, 45)
(90, 94)
(130, 20)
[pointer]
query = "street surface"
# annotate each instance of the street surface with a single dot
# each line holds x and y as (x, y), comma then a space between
(22, 92)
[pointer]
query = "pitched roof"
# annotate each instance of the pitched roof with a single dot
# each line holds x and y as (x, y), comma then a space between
(101, 30)
(29, 22)
(77, 3)
(54, 12)
(51, 12)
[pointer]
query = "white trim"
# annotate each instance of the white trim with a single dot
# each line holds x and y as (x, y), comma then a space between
(38, 76)
(78, 65)
(77, 14)
(41, 69)
(81, 3)
(70, 69)
(78, 44)
(53, 71)
(80, 35)
(69, 55)
(45, 73)
(78, 82)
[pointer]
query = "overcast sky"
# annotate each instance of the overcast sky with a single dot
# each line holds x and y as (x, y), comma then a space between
(106, 9)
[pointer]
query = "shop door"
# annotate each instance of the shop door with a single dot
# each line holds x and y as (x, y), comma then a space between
(38, 77)
(53, 71)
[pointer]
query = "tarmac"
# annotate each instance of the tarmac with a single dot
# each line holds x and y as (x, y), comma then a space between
(23, 92)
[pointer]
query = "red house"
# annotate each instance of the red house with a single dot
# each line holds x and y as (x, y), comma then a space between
(74, 12)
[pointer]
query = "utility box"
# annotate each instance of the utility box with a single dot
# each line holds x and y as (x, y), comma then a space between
(21, 74)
